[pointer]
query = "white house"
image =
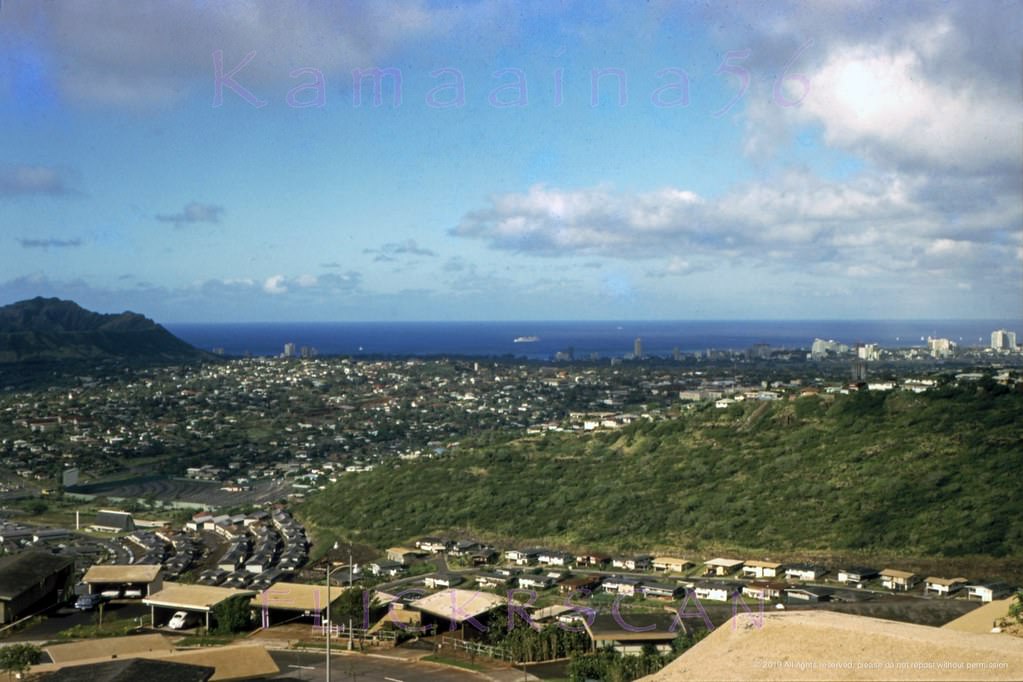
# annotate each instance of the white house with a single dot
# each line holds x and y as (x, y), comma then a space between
(986, 592)
(714, 590)
(535, 582)
(943, 586)
(761, 569)
(804, 572)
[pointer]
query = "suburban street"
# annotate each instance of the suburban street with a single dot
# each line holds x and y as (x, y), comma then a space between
(64, 617)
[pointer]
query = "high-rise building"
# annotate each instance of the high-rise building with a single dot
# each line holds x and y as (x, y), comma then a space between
(822, 348)
(1002, 339)
(289, 350)
(868, 351)
(637, 348)
(941, 348)
(859, 370)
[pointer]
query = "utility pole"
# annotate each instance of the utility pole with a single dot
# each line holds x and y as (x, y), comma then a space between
(351, 567)
(329, 567)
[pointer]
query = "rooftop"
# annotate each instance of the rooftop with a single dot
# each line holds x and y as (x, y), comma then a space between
(107, 647)
(122, 573)
(194, 597)
(130, 670)
(458, 605)
(22, 571)
(296, 597)
(826, 645)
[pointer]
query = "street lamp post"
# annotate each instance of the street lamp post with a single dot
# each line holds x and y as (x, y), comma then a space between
(350, 569)
(329, 567)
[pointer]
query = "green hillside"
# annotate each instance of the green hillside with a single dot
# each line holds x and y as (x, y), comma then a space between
(51, 329)
(931, 474)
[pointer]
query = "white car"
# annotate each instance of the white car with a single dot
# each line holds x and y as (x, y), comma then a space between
(180, 620)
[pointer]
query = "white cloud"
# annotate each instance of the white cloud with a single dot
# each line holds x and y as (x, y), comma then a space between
(275, 285)
(882, 225)
(151, 52)
(884, 105)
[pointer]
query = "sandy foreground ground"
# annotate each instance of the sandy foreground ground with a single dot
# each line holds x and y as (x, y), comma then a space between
(982, 620)
(822, 645)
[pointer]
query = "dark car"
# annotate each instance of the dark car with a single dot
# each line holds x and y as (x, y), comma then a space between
(87, 602)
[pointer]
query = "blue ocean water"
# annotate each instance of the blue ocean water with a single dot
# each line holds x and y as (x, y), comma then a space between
(605, 338)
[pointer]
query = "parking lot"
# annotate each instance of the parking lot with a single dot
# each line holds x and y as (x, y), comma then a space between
(167, 490)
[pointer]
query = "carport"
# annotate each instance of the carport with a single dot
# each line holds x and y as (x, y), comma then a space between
(146, 578)
(195, 598)
(453, 608)
(293, 600)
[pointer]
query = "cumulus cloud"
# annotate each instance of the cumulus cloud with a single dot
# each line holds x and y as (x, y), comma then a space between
(152, 52)
(331, 283)
(50, 243)
(26, 180)
(794, 223)
(913, 86)
(193, 213)
(275, 284)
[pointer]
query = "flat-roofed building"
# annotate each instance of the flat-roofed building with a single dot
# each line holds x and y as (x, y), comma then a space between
(232, 662)
(108, 647)
(804, 571)
(291, 600)
(200, 599)
(456, 607)
(808, 594)
(721, 566)
(856, 575)
(131, 670)
(630, 633)
(814, 644)
(671, 564)
(146, 578)
(986, 592)
(761, 569)
(31, 581)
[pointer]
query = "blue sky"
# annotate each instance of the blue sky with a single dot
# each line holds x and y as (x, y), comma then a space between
(870, 169)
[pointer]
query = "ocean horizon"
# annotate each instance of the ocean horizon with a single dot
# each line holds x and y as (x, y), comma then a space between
(542, 339)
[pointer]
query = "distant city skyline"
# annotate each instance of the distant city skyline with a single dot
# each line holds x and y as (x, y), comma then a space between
(499, 160)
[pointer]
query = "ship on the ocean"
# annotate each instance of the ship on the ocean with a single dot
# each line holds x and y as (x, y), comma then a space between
(526, 339)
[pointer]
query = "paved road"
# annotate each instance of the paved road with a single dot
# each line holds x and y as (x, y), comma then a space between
(66, 617)
(357, 668)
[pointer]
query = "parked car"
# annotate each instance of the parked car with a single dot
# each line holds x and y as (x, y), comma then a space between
(111, 594)
(133, 594)
(180, 620)
(87, 602)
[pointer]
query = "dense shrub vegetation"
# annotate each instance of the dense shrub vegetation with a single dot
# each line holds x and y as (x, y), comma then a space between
(935, 474)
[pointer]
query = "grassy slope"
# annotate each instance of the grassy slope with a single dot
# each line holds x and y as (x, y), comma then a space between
(927, 475)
